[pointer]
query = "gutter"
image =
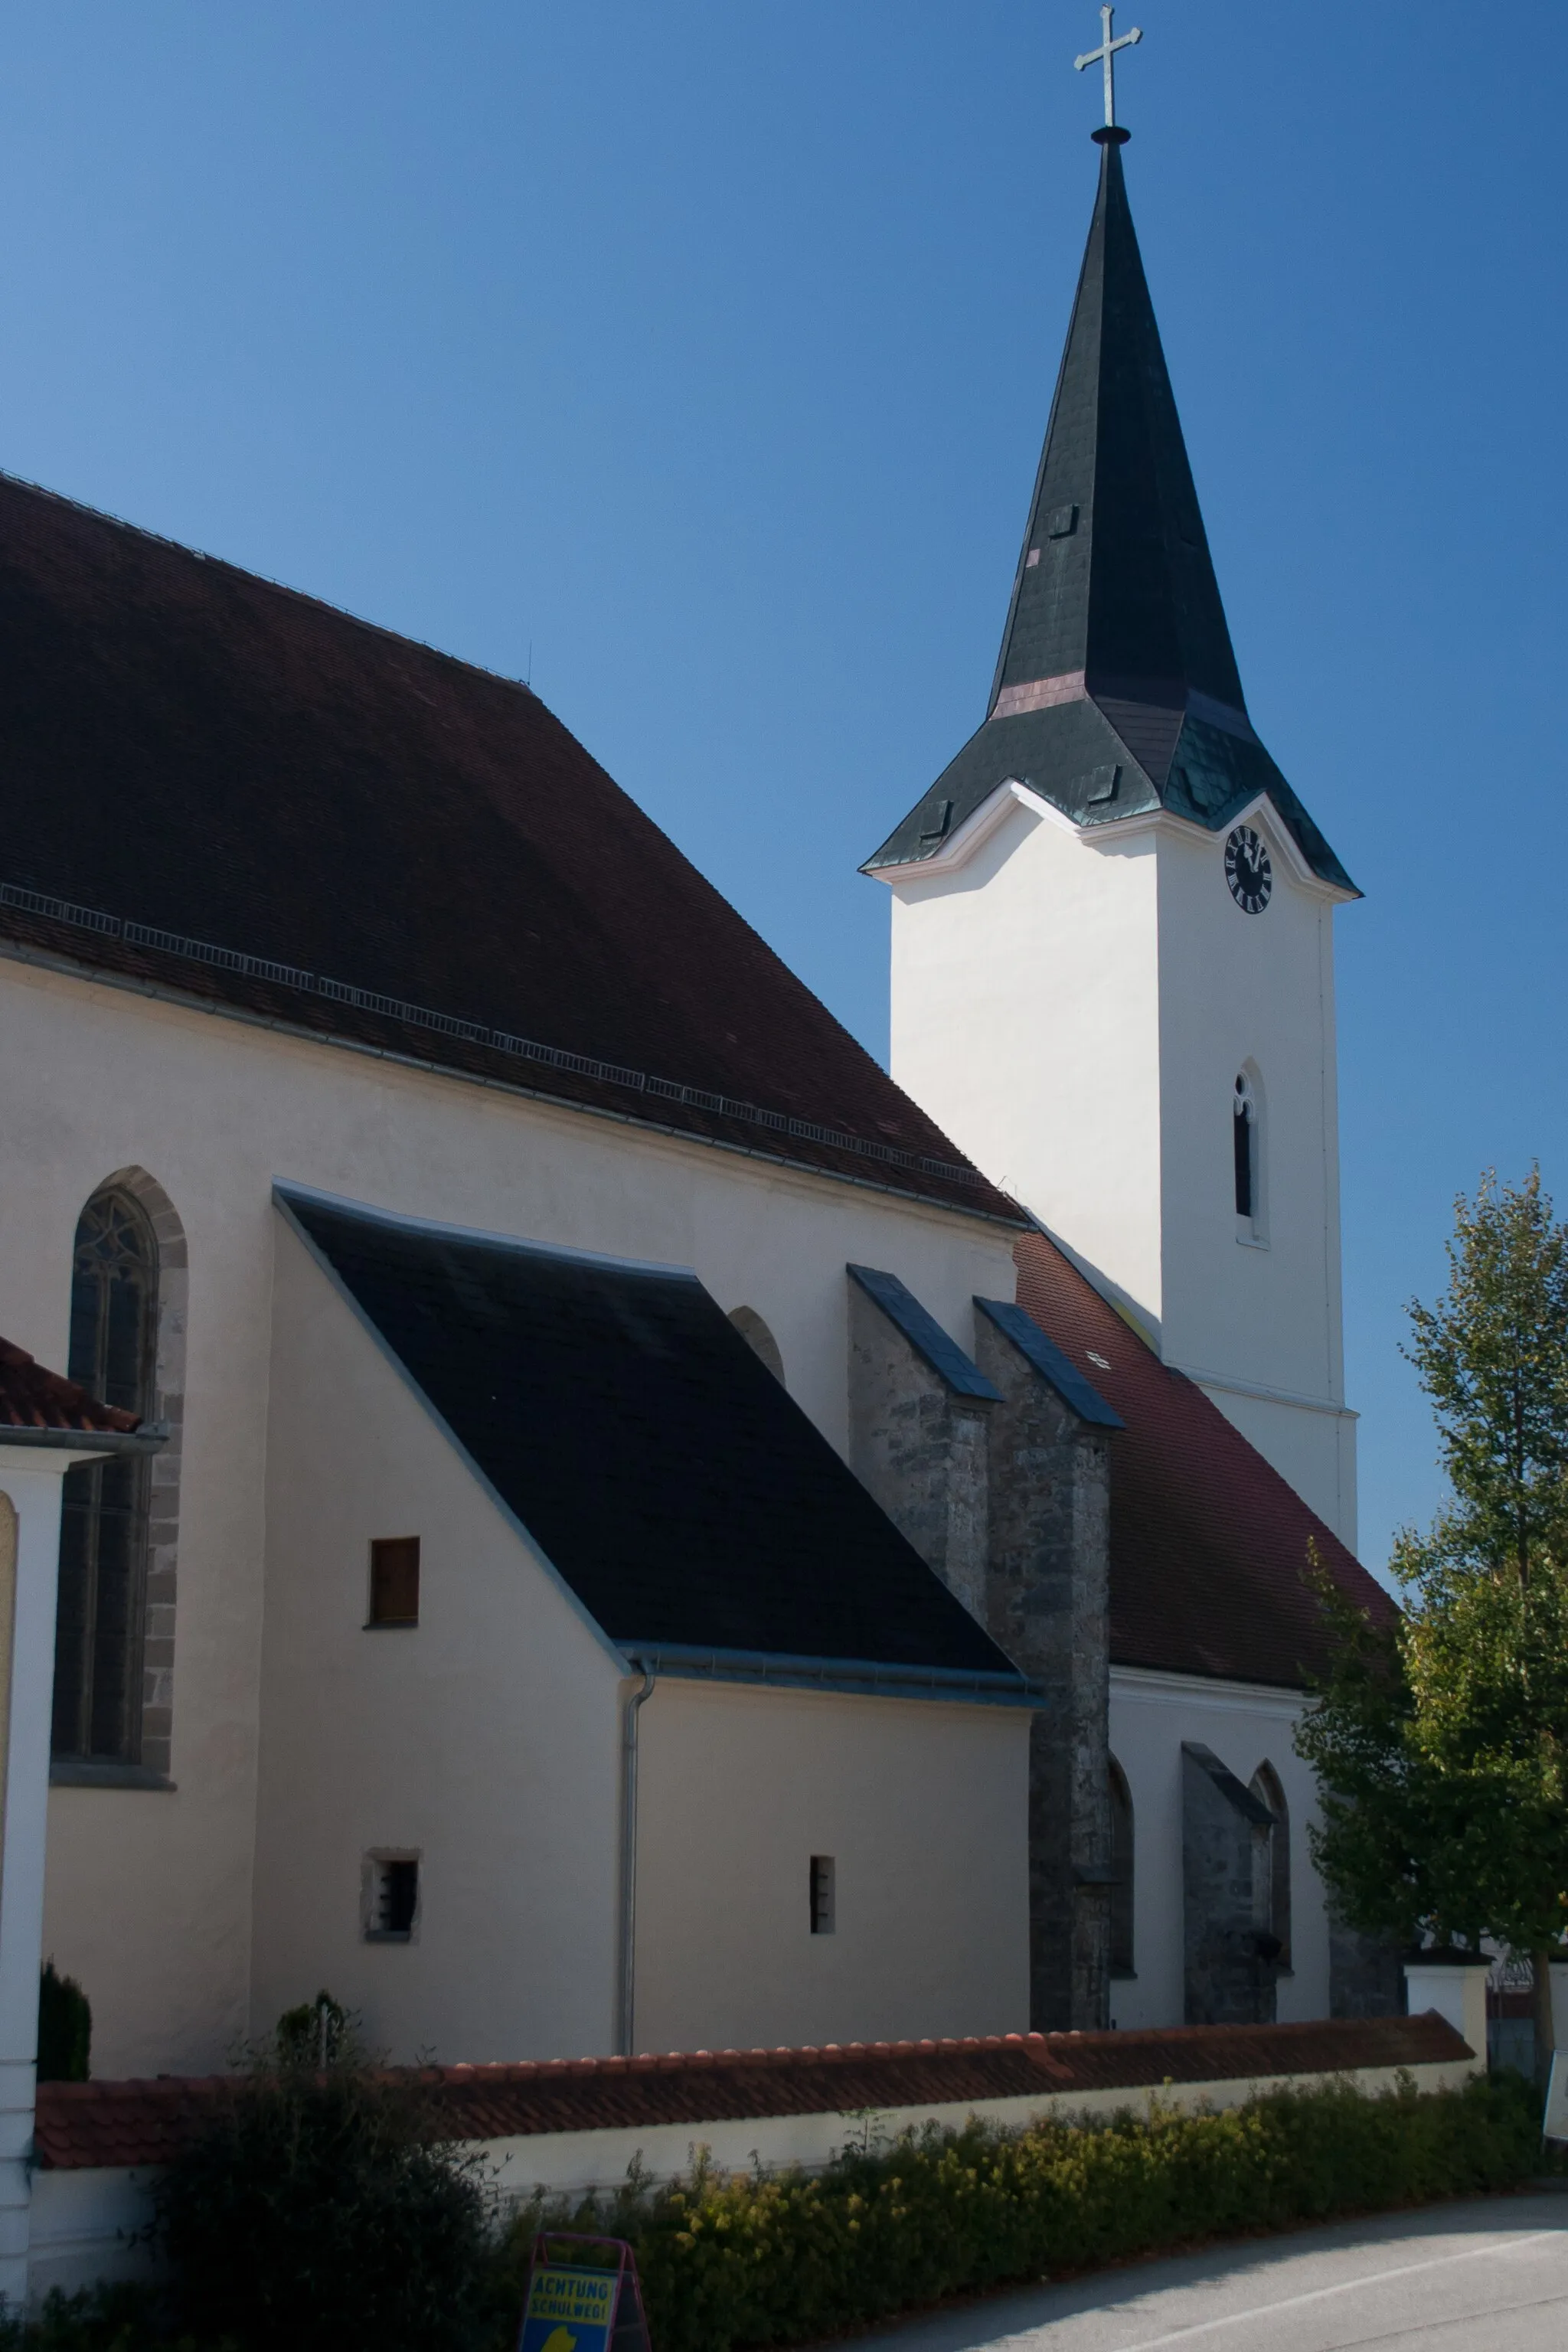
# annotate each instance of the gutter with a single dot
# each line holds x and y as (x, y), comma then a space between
(625, 2019)
(1003, 1686)
(90, 1441)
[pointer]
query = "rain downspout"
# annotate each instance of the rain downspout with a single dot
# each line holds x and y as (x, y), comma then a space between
(626, 2004)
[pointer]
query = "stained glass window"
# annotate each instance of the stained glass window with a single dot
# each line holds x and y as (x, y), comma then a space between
(103, 1526)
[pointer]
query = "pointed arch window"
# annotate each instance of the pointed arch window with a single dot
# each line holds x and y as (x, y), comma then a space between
(1122, 1862)
(1271, 1892)
(1245, 1139)
(759, 1339)
(99, 1636)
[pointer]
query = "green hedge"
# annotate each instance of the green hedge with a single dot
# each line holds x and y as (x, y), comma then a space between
(753, 2261)
(749, 2261)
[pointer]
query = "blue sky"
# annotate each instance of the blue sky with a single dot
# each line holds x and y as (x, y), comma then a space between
(707, 350)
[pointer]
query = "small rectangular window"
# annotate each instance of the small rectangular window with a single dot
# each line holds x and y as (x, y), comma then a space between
(394, 1581)
(391, 1899)
(822, 1903)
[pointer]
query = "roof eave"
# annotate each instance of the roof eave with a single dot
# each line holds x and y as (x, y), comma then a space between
(86, 1441)
(864, 1677)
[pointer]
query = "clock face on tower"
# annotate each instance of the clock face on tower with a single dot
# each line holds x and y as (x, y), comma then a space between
(1249, 870)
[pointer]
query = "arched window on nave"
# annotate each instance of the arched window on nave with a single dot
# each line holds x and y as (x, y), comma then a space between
(100, 1629)
(1272, 1905)
(758, 1337)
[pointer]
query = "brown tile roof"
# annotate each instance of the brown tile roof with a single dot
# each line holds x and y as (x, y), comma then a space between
(217, 785)
(1208, 1542)
(139, 2123)
(31, 1397)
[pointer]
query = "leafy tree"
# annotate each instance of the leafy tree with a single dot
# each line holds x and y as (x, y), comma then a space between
(325, 2208)
(65, 2028)
(1441, 1740)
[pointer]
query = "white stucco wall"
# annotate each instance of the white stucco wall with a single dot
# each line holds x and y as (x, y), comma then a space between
(1247, 1725)
(484, 1739)
(923, 1808)
(1255, 992)
(149, 1896)
(30, 1480)
(1026, 1020)
(1074, 1008)
(487, 1739)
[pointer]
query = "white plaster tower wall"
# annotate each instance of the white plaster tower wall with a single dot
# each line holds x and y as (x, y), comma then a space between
(1251, 1306)
(1026, 1019)
(1075, 1007)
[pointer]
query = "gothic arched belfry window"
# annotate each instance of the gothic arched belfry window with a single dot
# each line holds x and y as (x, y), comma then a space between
(1245, 1138)
(99, 1641)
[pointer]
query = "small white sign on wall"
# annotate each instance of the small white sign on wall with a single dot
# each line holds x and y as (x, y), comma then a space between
(1556, 2124)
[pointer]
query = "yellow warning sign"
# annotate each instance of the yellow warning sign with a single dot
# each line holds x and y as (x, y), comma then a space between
(569, 2310)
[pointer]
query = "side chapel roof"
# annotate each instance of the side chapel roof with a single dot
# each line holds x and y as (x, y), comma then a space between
(236, 793)
(1208, 1542)
(663, 1471)
(40, 1405)
(1117, 690)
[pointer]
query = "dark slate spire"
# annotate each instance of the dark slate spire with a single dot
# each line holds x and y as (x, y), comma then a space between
(1117, 690)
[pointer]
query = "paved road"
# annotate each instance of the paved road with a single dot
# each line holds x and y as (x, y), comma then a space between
(1487, 2277)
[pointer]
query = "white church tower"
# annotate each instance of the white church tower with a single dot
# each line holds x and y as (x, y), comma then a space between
(1112, 968)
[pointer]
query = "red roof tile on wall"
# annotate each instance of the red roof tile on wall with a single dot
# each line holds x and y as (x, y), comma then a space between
(1208, 1542)
(31, 1397)
(85, 2124)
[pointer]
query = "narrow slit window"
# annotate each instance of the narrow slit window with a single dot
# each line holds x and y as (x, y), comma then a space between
(822, 1894)
(1243, 1126)
(394, 1581)
(393, 1899)
(1123, 1859)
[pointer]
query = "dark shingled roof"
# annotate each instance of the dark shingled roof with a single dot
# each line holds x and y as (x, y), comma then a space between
(83, 2126)
(210, 782)
(1117, 690)
(924, 1333)
(33, 1401)
(660, 1467)
(1208, 1542)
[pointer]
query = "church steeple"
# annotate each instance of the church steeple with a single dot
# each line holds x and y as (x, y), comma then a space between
(1115, 584)
(1116, 691)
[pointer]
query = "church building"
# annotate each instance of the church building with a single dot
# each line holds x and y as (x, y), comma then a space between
(543, 1490)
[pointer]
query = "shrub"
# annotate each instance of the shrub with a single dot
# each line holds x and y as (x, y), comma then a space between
(120, 2318)
(65, 2028)
(750, 2260)
(319, 2032)
(323, 2208)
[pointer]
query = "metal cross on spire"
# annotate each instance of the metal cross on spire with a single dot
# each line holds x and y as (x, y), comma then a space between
(1106, 54)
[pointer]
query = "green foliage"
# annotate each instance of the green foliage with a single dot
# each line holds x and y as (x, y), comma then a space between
(308, 2258)
(118, 2318)
(318, 2034)
(65, 2028)
(750, 2260)
(1442, 1745)
(324, 2209)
